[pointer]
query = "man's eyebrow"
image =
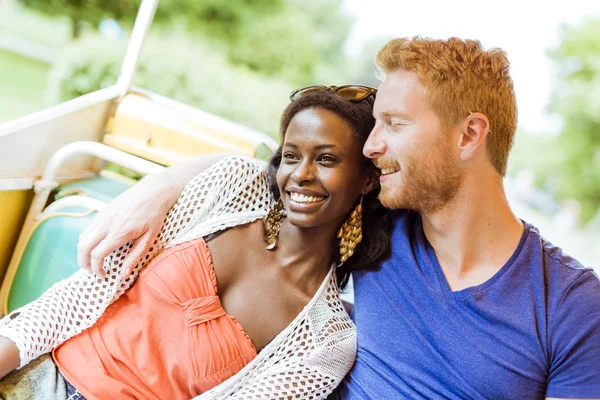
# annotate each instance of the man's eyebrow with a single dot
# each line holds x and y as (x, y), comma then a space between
(389, 114)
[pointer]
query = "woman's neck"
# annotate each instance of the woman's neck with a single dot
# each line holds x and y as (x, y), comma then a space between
(305, 253)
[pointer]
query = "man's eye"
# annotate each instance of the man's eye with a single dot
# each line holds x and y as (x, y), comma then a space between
(396, 124)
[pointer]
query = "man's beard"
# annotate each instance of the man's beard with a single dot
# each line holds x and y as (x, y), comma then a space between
(428, 183)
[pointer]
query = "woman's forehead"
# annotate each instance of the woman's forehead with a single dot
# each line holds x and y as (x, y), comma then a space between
(315, 123)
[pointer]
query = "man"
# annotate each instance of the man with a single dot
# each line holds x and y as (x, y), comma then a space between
(473, 302)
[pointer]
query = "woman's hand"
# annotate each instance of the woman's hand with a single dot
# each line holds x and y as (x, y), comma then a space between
(137, 215)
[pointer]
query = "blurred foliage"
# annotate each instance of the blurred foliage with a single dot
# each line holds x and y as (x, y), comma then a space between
(20, 80)
(288, 38)
(222, 17)
(544, 161)
(178, 68)
(282, 45)
(574, 157)
(235, 58)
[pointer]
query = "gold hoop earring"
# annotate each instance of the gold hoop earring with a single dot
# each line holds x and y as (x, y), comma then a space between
(350, 234)
(272, 224)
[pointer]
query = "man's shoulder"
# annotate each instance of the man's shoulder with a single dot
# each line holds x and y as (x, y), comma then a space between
(555, 260)
(573, 322)
(562, 274)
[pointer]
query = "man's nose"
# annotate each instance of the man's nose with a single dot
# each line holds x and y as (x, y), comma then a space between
(374, 146)
(304, 172)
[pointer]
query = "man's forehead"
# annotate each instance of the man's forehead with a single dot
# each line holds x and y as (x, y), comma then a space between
(398, 93)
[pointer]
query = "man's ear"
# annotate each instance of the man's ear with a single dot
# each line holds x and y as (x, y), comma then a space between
(475, 130)
(372, 181)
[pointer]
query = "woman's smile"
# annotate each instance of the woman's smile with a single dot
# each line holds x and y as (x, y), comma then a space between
(302, 202)
(322, 172)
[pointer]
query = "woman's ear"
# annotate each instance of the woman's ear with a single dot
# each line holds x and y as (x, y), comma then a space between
(372, 181)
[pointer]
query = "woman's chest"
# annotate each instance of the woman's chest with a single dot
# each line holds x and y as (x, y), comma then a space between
(251, 287)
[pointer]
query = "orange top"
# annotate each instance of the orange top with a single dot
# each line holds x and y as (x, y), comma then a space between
(168, 337)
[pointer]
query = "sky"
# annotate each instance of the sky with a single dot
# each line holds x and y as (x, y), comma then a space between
(525, 29)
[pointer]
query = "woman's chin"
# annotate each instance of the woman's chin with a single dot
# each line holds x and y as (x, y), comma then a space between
(304, 221)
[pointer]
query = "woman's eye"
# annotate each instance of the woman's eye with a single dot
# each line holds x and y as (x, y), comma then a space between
(327, 159)
(289, 156)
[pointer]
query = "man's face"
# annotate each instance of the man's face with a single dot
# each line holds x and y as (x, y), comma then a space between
(419, 162)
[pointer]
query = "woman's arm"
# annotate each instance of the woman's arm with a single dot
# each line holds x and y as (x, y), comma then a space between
(136, 215)
(9, 356)
(74, 304)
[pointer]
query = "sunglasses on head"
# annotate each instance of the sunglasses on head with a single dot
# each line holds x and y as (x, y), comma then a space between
(348, 92)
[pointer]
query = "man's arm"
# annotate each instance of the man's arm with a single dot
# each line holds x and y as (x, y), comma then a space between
(574, 341)
(137, 215)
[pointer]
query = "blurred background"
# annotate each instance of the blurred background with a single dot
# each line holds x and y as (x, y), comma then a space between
(240, 59)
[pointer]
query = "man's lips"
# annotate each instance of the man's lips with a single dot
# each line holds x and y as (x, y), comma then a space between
(389, 170)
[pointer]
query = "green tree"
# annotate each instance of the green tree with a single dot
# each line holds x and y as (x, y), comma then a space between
(281, 46)
(218, 18)
(176, 67)
(576, 98)
(78, 11)
(298, 40)
(303, 41)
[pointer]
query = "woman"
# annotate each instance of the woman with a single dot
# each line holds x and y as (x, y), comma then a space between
(242, 300)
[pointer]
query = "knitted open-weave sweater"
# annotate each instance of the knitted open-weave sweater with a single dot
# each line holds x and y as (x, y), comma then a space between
(307, 360)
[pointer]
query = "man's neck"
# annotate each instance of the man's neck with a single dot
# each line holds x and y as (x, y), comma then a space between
(474, 235)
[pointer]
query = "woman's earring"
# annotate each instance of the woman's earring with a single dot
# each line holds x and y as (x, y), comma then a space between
(350, 234)
(272, 224)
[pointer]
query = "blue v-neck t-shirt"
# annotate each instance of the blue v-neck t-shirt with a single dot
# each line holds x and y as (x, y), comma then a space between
(531, 331)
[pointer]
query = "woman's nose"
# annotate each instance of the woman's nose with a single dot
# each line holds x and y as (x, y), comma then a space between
(304, 172)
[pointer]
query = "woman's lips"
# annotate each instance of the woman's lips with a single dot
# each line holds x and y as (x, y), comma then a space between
(304, 203)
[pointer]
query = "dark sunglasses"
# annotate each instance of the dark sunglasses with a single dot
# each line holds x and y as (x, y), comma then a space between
(348, 92)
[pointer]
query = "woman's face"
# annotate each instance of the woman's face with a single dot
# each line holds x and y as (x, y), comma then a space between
(322, 171)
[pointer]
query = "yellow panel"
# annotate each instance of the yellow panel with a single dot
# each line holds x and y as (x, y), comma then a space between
(168, 136)
(13, 209)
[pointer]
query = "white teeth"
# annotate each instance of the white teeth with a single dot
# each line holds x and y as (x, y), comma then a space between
(300, 198)
(386, 171)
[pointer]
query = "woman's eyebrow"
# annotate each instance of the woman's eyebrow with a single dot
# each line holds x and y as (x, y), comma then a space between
(317, 147)
(325, 146)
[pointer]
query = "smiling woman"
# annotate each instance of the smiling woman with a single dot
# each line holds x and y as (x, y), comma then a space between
(319, 172)
(221, 315)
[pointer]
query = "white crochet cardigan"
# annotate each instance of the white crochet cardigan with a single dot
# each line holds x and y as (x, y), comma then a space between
(307, 360)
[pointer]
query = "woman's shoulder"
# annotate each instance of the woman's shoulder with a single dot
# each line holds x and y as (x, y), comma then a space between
(333, 329)
(327, 308)
(229, 176)
(241, 165)
(245, 177)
